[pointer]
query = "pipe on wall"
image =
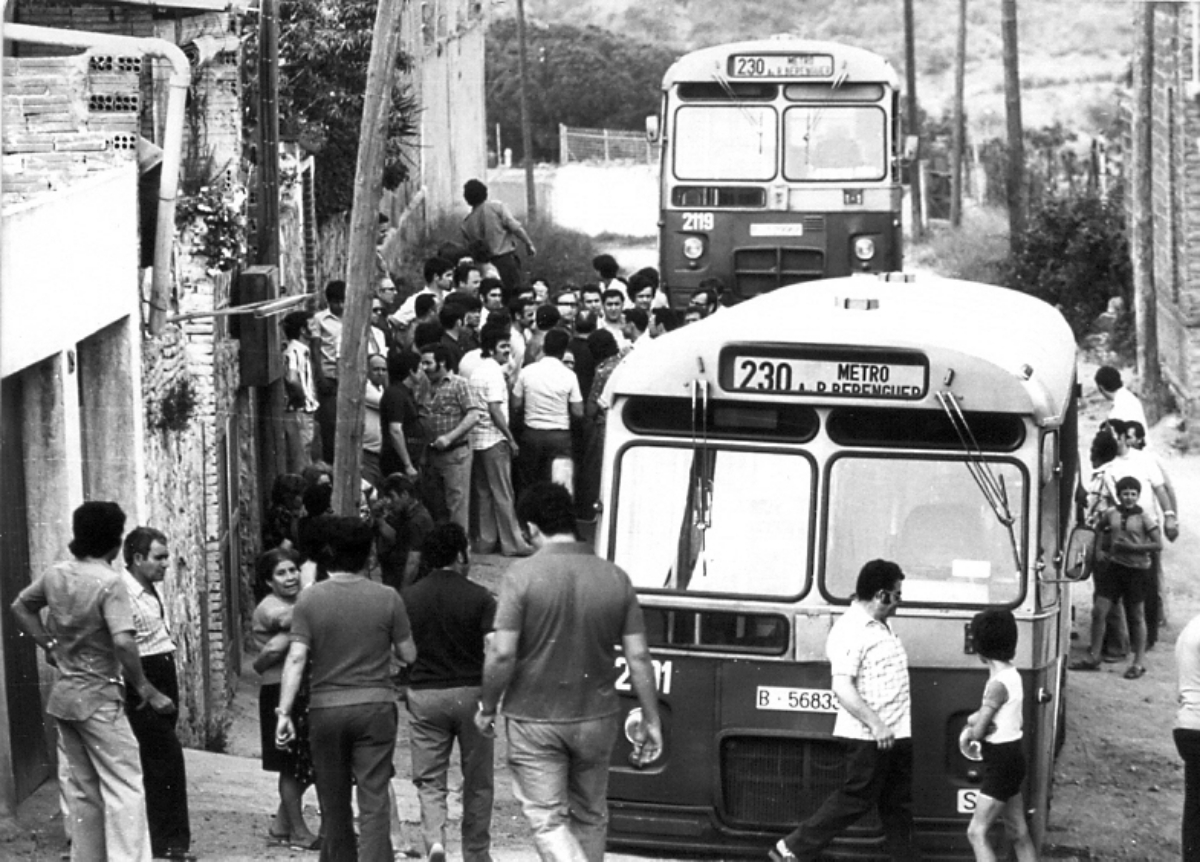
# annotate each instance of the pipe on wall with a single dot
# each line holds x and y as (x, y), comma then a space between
(172, 145)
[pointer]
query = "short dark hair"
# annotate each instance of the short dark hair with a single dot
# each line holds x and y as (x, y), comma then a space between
(590, 288)
(451, 315)
(1128, 482)
(666, 318)
(335, 291)
(489, 284)
(96, 527)
(427, 334)
(350, 541)
(1119, 427)
(398, 483)
(440, 353)
(139, 540)
(994, 633)
(639, 282)
(875, 576)
(555, 343)
(424, 303)
(546, 317)
(1104, 447)
(294, 324)
(317, 499)
(612, 293)
(605, 265)
(1108, 378)
(445, 544)
(638, 317)
(462, 271)
(491, 335)
(650, 274)
(475, 192)
(516, 307)
(465, 301)
(585, 321)
(548, 506)
(602, 344)
(264, 567)
(402, 363)
(1136, 428)
(436, 267)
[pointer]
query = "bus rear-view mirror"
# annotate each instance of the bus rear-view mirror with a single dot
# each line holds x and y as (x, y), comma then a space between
(652, 129)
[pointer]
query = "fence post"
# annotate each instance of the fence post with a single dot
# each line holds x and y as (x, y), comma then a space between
(564, 149)
(606, 146)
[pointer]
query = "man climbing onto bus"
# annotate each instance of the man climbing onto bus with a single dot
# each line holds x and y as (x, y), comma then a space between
(870, 678)
(491, 232)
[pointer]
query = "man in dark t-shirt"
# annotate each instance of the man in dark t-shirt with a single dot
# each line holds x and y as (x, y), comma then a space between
(451, 619)
(561, 614)
(399, 422)
(351, 627)
(402, 524)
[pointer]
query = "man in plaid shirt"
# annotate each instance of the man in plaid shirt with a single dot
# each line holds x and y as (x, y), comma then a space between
(448, 414)
(870, 678)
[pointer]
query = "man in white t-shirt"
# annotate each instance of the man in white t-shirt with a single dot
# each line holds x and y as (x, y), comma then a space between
(548, 392)
(1125, 405)
(493, 448)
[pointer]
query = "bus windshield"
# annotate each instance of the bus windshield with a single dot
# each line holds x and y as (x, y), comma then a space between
(725, 142)
(713, 520)
(928, 516)
(835, 143)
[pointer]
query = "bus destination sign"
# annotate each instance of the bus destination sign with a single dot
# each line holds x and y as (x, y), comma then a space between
(891, 378)
(781, 66)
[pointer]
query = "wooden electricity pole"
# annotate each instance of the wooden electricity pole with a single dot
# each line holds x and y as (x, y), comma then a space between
(960, 128)
(1145, 304)
(360, 270)
(914, 119)
(1015, 181)
(526, 121)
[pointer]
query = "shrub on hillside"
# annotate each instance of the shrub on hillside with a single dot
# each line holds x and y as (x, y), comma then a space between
(563, 255)
(1075, 255)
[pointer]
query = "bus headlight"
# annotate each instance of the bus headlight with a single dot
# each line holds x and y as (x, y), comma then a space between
(693, 247)
(864, 248)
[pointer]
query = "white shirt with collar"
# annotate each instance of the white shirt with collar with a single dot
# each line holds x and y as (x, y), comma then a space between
(150, 625)
(548, 388)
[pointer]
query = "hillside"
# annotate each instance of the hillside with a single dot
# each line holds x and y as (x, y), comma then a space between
(1074, 53)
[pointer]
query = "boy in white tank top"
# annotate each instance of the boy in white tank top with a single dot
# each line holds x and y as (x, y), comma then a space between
(997, 725)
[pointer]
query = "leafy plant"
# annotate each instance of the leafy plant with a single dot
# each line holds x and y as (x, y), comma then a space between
(580, 76)
(219, 220)
(1075, 255)
(177, 406)
(324, 49)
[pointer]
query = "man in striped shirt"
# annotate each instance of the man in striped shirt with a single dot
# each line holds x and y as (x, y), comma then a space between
(874, 718)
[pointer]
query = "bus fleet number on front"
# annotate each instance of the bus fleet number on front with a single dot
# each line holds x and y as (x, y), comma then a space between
(663, 671)
(698, 221)
(766, 375)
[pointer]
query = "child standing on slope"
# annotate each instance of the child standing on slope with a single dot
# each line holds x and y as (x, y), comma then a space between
(997, 725)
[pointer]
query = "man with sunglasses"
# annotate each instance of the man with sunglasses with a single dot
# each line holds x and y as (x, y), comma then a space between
(874, 719)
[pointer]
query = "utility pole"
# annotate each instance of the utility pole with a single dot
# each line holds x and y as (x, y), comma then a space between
(958, 143)
(526, 122)
(1145, 302)
(364, 219)
(272, 400)
(1015, 185)
(910, 84)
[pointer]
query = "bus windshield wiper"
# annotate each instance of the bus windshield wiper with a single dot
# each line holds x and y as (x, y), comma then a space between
(754, 121)
(990, 486)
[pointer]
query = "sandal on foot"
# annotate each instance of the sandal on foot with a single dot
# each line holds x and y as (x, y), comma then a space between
(1135, 671)
(278, 837)
(314, 844)
(1086, 664)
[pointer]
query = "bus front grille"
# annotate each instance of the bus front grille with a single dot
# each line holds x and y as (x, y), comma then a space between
(760, 269)
(769, 782)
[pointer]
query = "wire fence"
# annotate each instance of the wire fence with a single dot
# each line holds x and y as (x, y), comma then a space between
(604, 146)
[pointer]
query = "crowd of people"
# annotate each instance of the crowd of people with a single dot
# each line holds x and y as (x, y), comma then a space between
(478, 384)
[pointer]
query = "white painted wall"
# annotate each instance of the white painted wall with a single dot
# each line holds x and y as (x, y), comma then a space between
(592, 199)
(68, 267)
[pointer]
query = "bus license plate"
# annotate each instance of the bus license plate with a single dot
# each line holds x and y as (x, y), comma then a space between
(780, 699)
(967, 800)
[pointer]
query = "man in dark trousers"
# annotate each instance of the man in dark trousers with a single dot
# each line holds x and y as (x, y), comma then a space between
(351, 627)
(491, 233)
(451, 619)
(163, 771)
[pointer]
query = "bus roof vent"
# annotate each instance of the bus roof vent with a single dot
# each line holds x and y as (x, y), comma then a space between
(902, 277)
(858, 303)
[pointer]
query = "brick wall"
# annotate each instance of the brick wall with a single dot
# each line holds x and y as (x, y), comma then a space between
(67, 117)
